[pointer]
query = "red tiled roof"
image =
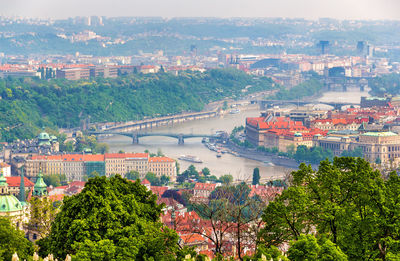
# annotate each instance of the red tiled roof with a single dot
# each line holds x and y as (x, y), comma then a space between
(276, 123)
(16, 181)
(161, 159)
(61, 187)
(158, 190)
(193, 239)
(77, 183)
(56, 197)
(205, 186)
(126, 155)
(145, 182)
(70, 157)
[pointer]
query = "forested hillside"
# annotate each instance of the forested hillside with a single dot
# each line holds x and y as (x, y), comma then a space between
(386, 84)
(29, 104)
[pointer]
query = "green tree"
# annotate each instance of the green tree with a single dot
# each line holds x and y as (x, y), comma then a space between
(42, 213)
(160, 153)
(256, 176)
(68, 147)
(225, 105)
(308, 248)
(153, 179)
(111, 219)
(102, 148)
(132, 175)
(13, 241)
(305, 248)
(226, 179)
(345, 200)
(206, 171)
(55, 180)
(164, 180)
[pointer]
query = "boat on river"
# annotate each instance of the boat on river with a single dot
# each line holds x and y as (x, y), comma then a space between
(190, 158)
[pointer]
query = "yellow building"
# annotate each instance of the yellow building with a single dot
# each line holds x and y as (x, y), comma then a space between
(378, 147)
(163, 166)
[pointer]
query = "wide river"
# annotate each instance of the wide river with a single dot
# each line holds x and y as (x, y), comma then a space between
(239, 168)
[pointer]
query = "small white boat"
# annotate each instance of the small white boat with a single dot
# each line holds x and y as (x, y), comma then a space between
(234, 111)
(190, 158)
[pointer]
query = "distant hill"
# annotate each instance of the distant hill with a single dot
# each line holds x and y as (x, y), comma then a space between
(28, 104)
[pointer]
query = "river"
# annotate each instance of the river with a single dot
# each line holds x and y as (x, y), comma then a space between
(240, 168)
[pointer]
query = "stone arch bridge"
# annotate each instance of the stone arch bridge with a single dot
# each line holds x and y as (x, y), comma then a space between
(179, 136)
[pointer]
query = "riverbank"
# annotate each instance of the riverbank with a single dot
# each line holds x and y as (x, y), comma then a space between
(262, 156)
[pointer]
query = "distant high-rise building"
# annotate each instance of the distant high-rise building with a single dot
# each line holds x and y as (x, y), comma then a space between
(370, 50)
(96, 21)
(324, 45)
(361, 47)
(193, 50)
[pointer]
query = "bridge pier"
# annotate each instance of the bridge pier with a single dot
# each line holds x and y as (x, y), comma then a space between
(135, 139)
(181, 140)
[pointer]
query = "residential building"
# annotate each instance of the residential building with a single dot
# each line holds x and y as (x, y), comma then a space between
(14, 184)
(163, 166)
(378, 147)
(73, 73)
(79, 166)
(338, 124)
(202, 191)
(6, 169)
(104, 71)
(279, 132)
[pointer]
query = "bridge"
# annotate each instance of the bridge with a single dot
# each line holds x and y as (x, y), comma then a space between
(156, 122)
(179, 136)
(345, 83)
(270, 103)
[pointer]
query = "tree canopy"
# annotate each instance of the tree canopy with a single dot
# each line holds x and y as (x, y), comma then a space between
(111, 219)
(29, 104)
(13, 241)
(347, 201)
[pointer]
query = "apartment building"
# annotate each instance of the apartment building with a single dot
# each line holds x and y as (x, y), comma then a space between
(73, 73)
(279, 132)
(163, 166)
(79, 166)
(73, 166)
(104, 71)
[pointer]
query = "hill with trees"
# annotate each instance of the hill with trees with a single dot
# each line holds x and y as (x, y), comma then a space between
(29, 104)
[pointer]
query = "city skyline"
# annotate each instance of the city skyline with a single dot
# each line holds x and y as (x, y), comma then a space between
(309, 9)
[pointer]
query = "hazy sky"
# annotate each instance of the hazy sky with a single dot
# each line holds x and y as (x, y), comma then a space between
(311, 9)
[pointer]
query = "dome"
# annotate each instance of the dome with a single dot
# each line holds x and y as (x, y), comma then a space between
(53, 138)
(9, 203)
(44, 136)
(40, 188)
(44, 139)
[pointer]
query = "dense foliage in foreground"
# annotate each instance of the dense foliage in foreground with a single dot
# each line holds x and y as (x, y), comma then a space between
(111, 219)
(345, 201)
(29, 104)
(12, 241)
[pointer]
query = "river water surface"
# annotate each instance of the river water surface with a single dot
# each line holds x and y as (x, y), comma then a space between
(238, 167)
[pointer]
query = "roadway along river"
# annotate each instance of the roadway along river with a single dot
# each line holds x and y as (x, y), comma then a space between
(239, 168)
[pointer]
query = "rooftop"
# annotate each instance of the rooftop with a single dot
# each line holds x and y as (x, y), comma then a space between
(380, 134)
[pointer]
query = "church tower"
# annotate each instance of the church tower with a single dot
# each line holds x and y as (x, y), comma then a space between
(21, 196)
(40, 188)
